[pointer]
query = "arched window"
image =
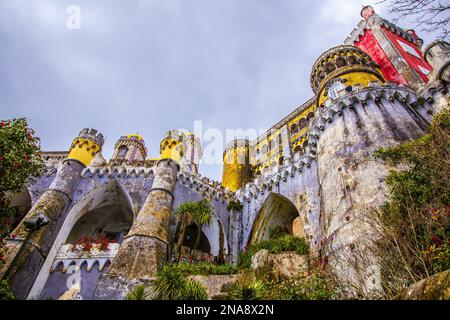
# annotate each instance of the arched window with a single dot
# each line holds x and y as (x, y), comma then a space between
(294, 129)
(122, 152)
(334, 89)
(264, 149)
(302, 124)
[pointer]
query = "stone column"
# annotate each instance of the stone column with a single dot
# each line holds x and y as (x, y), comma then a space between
(144, 250)
(53, 204)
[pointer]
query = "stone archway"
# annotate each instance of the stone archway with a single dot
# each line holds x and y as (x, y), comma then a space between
(277, 214)
(107, 208)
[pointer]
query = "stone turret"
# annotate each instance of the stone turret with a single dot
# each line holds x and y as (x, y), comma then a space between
(193, 153)
(355, 119)
(51, 205)
(437, 54)
(129, 148)
(183, 147)
(144, 250)
(237, 169)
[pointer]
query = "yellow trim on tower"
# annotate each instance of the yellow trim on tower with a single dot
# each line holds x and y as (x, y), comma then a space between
(83, 150)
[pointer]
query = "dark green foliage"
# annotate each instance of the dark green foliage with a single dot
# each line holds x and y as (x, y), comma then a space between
(275, 245)
(313, 286)
(194, 290)
(249, 287)
(138, 293)
(202, 268)
(5, 291)
(277, 232)
(171, 284)
(20, 162)
(198, 212)
(415, 242)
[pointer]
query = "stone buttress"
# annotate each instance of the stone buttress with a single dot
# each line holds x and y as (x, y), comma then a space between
(144, 250)
(53, 204)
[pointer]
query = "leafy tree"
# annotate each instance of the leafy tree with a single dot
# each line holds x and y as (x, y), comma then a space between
(20, 163)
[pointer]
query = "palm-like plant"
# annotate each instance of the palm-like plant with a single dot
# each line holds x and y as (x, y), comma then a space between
(201, 217)
(138, 293)
(185, 214)
(189, 212)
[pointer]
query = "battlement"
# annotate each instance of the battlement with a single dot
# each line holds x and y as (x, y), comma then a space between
(93, 135)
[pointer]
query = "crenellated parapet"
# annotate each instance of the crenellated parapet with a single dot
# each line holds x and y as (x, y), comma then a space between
(388, 93)
(343, 69)
(85, 146)
(129, 148)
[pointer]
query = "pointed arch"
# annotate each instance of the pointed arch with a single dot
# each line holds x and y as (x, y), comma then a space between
(108, 194)
(277, 213)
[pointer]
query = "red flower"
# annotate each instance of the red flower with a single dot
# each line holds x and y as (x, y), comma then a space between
(13, 236)
(1, 257)
(1, 158)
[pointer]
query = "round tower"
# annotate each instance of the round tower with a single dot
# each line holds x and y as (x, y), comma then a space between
(85, 146)
(341, 70)
(173, 145)
(437, 54)
(357, 115)
(237, 170)
(193, 152)
(130, 148)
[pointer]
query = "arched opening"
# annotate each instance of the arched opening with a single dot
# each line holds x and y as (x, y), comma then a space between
(276, 216)
(122, 152)
(105, 210)
(302, 124)
(203, 250)
(113, 219)
(294, 129)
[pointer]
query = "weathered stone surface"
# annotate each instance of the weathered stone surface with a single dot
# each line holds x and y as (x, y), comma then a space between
(53, 204)
(436, 287)
(284, 264)
(217, 286)
(139, 258)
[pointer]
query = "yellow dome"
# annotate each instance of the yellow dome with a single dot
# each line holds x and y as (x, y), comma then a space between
(134, 135)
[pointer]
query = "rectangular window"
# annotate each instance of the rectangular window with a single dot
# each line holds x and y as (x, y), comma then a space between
(409, 49)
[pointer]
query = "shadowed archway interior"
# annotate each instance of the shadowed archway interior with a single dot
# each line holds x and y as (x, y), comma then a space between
(276, 215)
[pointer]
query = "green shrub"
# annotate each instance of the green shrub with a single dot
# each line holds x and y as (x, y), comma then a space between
(275, 245)
(5, 291)
(203, 268)
(248, 287)
(315, 286)
(413, 242)
(171, 284)
(138, 293)
(194, 290)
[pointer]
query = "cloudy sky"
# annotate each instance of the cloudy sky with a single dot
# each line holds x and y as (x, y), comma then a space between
(155, 65)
